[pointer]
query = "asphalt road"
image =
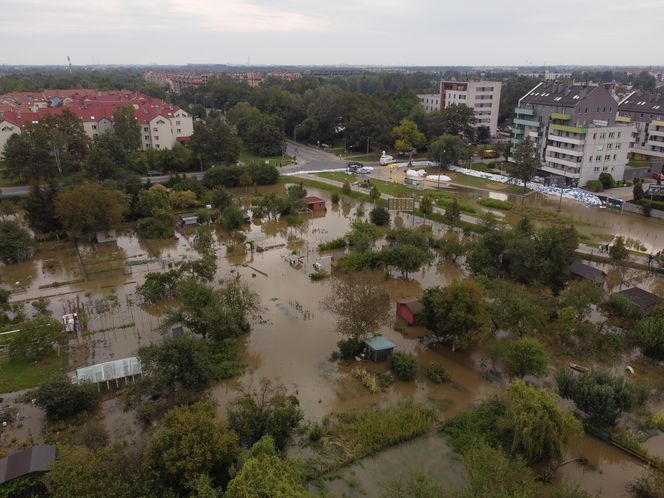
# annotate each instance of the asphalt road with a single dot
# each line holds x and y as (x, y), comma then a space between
(311, 159)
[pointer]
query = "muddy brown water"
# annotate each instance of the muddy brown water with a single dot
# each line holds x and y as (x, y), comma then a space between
(294, 343)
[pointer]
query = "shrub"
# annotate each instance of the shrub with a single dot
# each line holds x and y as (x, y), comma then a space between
(335, 198)
(476, 428)
(436, 373)
(595, 186)
(379, 216)
(368, 379)
(350, 348)
(495, 203)
(607, 180)
(404, 365)
(618, 305)
(649, 336)
(339, 243)
(156, 227)
(60, 398)
(362, 261)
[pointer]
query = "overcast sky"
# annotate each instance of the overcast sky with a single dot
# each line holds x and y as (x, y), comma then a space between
(382, 32)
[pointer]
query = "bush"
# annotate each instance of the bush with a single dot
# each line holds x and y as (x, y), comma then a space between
(607, 180)
(335, 198)
(404, 365)
(350, 348)
(476, 428)
(619, 306)
(232, 217)
(495, 203)
(362, 261)
(60, 398)
(436, 373)
(595, 186)
(379, 216)
(223, 176)
(264, 174)
(339, 243)
(650, 337)
(157, 227)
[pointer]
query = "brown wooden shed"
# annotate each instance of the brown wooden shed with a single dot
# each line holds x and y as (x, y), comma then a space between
(315, 203)
(408, 309)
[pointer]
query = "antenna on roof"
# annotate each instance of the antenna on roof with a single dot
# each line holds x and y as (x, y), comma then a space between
(69, 63)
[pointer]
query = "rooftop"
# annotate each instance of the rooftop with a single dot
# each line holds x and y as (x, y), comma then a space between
(110, 370)
(379, 343)
(36, 459)
(311, 199)
(588, 272)
(559, 95)
(642, 101)
(642, 298)
(413, 304)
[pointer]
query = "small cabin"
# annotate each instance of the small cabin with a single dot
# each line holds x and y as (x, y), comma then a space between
(31, 462)
(583, 271)
(379, 348)
(315, 203)
(189, 219)
(645, 300)
(409, 309)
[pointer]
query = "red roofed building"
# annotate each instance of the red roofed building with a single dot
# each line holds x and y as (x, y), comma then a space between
(162, 125)
(315, 203)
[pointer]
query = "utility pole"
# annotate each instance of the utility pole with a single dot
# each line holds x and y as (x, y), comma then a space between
(368, 148)
(440, 167)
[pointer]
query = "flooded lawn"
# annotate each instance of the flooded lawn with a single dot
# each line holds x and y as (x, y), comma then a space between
(294, 341)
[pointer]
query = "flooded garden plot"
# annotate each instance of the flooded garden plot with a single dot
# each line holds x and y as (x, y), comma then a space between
(293, 341)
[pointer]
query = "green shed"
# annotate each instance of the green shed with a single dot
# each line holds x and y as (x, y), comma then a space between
(379, 348)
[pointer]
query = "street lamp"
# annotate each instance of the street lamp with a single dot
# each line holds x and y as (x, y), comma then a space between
(440, 166)
(368, 148)
(560, 203)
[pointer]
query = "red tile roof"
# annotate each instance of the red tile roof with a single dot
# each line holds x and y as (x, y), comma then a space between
(312, 199)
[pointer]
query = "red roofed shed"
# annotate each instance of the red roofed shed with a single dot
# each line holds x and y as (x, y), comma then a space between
(315, 203)
(408, 309)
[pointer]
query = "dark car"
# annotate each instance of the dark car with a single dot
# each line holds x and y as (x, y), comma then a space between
(353, 166)
(152, 173)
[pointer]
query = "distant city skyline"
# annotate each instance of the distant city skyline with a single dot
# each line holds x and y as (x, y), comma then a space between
(358, 32)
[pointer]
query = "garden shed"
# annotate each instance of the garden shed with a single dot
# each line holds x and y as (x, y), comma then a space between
(642, 298)
(379, 348)
(37, 459)
(188, 219)
(583, 271)
(315, 203)
(408, 309)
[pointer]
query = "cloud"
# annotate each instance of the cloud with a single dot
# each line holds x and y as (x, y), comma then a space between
(126, 16)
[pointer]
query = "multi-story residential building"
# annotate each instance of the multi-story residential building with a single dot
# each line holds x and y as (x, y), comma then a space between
(574, 131)
(481, 96)
(176, 81)
(646, 111)
(162, 125)
(430, 101)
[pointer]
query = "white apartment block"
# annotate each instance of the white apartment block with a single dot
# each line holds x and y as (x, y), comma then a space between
(430, 101)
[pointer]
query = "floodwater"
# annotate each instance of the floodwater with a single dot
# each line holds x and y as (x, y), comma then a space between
(294, 341)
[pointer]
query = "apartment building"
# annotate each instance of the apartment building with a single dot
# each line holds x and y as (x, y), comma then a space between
(430, 101)
(162, 125)
(645, 110)
(574, 131)
(481, 96)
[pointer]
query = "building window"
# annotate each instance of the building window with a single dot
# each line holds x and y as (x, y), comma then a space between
(156, 146)
(618, 134)
(607, 157)
(617, 146)
(94, 127)
(145, 128)
(147, 137)
(594, 136)
(156, 138)
(598, 158)
(155, 129)
(611, 134)
(615, 157)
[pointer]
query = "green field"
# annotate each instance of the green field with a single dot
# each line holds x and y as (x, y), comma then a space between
(248, 157)
(18, 375)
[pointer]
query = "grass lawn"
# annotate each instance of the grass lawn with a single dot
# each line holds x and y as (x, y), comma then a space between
(17, 375)
(337, 176)
(358, 196)
(248, 157)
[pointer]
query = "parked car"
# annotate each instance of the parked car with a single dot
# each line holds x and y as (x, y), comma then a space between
(657, 176)
(353, 166)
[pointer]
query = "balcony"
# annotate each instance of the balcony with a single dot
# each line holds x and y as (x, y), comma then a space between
(562, 162)
(562, 171)
(656, 133)
(562, 150)
(569, 129)
(561, 116)
(516, 140)
(524, 110)
(567, 140)
(517, 131)
(526, 122)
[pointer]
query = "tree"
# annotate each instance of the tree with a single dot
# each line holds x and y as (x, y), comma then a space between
(520, 309)
(60, 398)
(109, 472)
(637, 190)
(266, 411)
(607, 180)
(362, 236)
(214, 142)
(601, 395)
(374, 193)
(245, 179)
(87, 209)
(649, 336)
(526, 163)
(539, 426)
(177, 363)
(404, 365)
(40, 208)
(232, 217)
(37, 339)
(368, 123)
(618, 251)
(581, 295)
(407, 136)
(456, 313)
(448, 149)
(28, 156)
(152, 203)
(265, 473)
(491, 474)
(426, 205)
(16, 243)
(458, 119)
(452, 214)
(407, 258)
(191, 442)
(264, 134)
(556, 246)
(126, 128)
(345, 188)
(526, 356)
(379, 216)
(644, 81)
(223, 176)
(350, 299)
(451, 247)
(106, 157)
